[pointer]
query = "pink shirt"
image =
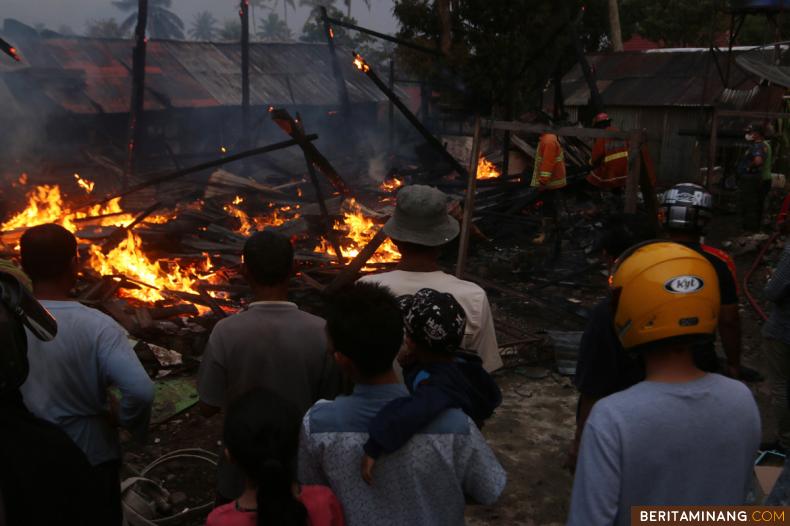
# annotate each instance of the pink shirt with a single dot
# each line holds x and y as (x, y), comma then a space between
(323, 509)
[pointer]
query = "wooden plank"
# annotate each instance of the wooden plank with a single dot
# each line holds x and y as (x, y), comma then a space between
(537, 129)
(469, 202)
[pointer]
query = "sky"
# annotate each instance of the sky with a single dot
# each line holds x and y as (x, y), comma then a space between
(75, 13)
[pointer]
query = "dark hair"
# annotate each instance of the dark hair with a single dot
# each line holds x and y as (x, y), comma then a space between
(405, 247)
(269, 257)
(47, 251)
(262, 435)
(365, 323)
(623, 231)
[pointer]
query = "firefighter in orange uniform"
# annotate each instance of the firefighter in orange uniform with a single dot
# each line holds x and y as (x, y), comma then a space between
(549, 177)
(609, 159)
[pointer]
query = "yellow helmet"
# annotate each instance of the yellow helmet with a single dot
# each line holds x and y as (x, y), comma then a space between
(663, 290)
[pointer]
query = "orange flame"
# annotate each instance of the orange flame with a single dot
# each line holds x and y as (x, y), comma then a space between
(129, 260)
(391, 185)
(358, 230)
(486, 169)
(360, 63)
(45, 205)
(84, 183)
(249, 225)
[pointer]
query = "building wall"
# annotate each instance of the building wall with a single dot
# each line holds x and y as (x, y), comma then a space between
(676, 157)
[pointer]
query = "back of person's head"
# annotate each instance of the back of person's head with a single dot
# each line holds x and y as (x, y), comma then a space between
(262, 437)
(268, 258)
(622, 231)
(48, 252)
(434, 321)
(664, 294)
(365, 324)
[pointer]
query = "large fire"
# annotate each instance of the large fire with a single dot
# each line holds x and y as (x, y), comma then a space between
(357, 231)
(486, 169)
(128, 259)
(248, 225)
(45, 205)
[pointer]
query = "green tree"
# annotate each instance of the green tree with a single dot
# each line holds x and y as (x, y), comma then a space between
(674, 23)
(162, 23)
(274, 29)
(104, 28)
(204, 27)
(231, 30)
(313, 30)
(498, 54)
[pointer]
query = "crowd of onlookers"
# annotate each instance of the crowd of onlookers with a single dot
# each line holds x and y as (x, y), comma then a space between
(371, 413)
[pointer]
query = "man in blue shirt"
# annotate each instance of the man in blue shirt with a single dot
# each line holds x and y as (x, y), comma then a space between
(70, 375)
(426, 482)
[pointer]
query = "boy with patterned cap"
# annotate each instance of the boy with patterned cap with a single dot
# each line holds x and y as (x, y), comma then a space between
(437, 373)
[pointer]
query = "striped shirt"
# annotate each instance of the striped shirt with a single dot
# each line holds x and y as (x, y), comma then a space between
(426, 482)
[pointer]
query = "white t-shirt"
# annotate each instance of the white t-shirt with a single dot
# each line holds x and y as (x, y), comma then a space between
(480, 333)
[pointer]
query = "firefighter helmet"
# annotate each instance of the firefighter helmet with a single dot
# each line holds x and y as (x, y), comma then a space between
(687, 207)
(601, 118)
(663, 290)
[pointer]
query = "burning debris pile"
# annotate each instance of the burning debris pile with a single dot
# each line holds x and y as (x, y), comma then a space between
(169, 273)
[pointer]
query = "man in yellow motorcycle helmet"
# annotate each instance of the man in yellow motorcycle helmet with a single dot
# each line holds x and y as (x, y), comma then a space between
(682, 437)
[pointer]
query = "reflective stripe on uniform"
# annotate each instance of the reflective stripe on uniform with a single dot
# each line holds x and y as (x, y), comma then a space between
(615, 156)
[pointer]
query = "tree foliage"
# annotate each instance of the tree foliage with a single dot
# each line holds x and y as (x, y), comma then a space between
(675, 23)
(162, 23)
(231, 30)
(501, 52)
(274, 29)
(204, 27)
(104, 28)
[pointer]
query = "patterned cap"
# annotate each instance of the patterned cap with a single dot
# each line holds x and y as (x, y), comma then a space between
(434, 320)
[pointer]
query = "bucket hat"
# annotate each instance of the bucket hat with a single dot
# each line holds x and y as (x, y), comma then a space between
(421, 217)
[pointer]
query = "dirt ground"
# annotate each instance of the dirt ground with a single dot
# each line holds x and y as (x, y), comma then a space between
(531, 431)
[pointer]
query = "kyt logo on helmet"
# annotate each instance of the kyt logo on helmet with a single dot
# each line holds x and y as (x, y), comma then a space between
(684, 284)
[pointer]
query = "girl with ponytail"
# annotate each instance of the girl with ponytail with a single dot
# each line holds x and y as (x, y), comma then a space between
(262, 436)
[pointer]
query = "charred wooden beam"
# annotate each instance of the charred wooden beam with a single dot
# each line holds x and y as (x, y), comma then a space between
(205, 166)
(342, 90)
(383, 36)
(138, 90)
(295, 129)
(350, 274)
(244, 14)
(9, 50)
(364, 67)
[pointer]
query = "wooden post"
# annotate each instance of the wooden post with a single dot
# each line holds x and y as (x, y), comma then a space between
(614, 26)
(712, 147)
(469, 202)
(634, 168)
(342, 90)
(138, 91)
(244, 14)
(391, 109)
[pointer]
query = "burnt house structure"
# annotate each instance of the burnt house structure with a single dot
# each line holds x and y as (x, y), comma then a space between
(672, 94)
(73, 93)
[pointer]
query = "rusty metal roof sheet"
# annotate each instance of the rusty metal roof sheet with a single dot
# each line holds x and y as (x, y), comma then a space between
(89, 76)
(669, 78)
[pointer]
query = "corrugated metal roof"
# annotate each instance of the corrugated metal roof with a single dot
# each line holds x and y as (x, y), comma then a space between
(89, 76)
(668, 78)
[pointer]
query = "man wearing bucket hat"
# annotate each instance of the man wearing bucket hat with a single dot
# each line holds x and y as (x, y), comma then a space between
(420, 227)
(682, 437)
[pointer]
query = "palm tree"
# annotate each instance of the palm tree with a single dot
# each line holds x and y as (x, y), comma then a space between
(231, 30)
(348, 6)
(162, 23)
(204, 27)
(274, 29)
(103, 28)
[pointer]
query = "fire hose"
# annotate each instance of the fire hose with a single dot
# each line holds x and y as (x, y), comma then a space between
(781, 218)
(140, 507)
